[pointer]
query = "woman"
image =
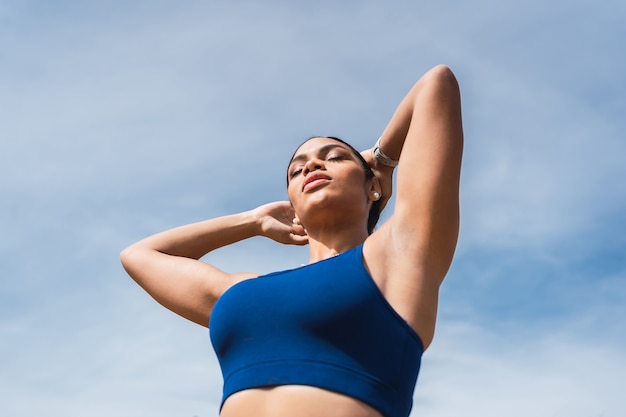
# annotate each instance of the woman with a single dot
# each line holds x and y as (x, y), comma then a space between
(342, 336)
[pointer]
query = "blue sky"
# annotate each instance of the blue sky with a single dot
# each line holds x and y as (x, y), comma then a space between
(121, 119)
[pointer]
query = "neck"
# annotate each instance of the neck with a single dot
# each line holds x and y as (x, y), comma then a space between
(325, 245)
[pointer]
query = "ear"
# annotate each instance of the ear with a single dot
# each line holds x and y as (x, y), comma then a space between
(375, 190)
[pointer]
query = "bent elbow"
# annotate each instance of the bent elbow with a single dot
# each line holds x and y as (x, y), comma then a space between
(442, 83)
(443, 73)
(125, 256)
(128, 259)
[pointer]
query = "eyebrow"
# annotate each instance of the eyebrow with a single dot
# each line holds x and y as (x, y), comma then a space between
(323, 150)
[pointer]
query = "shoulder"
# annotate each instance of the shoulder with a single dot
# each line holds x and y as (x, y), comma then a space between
(408, 282)
(234, 279)
(397, 251)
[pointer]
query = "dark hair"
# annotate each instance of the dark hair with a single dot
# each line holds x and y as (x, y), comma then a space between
(375, 209)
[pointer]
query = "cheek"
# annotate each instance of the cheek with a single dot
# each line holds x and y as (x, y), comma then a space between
(291, 192)
(358, 183)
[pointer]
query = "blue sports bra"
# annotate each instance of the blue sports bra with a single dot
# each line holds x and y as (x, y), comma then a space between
(324, 324)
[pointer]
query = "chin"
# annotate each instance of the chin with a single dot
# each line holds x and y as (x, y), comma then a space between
(320, 200)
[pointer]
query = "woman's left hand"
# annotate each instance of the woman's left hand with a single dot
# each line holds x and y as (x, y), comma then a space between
(383, 173)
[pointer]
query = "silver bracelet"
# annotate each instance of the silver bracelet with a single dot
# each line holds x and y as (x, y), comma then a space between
(380, 156)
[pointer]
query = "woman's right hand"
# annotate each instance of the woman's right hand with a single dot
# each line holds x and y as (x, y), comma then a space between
(276, 222)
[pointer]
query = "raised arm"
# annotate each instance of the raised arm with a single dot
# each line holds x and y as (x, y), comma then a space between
(167, 264)
(426, 135)
(411, 253)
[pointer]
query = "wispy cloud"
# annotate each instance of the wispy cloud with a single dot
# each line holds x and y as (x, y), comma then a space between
(476, 372)
(124, 120)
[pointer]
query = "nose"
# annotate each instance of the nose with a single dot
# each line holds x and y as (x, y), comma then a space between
(312, 165)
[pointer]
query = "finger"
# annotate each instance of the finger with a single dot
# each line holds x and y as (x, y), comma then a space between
(298, 229)
(299, 239)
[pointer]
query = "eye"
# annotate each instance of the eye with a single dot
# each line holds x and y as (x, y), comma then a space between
(295, 172)
(335, 157)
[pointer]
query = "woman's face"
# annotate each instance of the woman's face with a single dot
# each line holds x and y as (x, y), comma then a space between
(325, 173)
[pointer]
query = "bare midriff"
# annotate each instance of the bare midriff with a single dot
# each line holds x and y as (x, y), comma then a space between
(294, 401)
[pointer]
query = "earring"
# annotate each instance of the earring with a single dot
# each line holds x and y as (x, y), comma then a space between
(376, 195)
(296, 221)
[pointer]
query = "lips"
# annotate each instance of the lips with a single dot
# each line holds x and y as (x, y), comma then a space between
(314, 180)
